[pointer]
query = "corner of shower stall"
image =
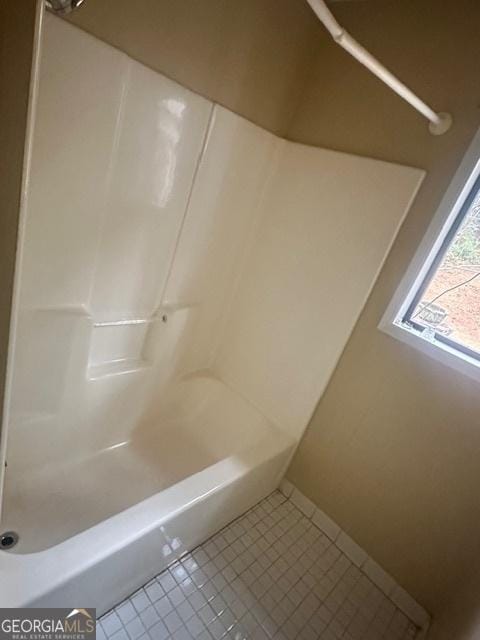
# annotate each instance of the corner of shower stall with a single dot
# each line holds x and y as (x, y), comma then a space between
(171, 335)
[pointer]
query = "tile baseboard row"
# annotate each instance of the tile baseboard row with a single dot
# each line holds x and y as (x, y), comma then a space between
(383, 580)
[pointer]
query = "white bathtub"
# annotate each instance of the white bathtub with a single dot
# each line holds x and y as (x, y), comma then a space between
(229, 456)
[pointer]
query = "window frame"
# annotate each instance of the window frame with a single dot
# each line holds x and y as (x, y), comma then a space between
(441, 230)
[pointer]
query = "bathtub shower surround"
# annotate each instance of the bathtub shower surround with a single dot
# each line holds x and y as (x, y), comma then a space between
(186, 282)
(271, 574)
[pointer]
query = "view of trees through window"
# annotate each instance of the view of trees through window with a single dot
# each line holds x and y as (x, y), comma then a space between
(450, 304)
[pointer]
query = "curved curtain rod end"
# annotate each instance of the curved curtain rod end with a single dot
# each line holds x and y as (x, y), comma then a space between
(442, 126)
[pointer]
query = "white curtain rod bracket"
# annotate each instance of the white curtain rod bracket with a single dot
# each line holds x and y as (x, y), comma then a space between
(440, 123)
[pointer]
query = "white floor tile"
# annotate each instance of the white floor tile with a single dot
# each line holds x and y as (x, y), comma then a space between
(380, 577)
(270, 575)
(305, 505)
(111, 623)
(326, 524)
(126, 611)
(351, 549)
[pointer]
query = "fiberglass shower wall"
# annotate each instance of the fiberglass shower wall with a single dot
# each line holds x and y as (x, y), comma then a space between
(165, 235)
(115, 153)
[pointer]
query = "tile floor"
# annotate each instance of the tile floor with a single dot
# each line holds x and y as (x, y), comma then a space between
(271, 574)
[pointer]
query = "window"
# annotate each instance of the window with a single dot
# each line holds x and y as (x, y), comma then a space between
(437, 306)
(446, 305)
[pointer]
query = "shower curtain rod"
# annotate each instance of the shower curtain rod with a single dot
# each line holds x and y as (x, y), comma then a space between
(439, 122)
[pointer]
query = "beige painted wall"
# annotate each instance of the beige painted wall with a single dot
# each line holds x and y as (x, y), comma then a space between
(17, 26)
(251, 56)
(392, 452)
(460, 618)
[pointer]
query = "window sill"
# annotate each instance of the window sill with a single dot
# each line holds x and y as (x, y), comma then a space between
(435, 349)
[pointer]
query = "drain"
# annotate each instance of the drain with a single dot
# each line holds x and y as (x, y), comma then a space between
(8, 539)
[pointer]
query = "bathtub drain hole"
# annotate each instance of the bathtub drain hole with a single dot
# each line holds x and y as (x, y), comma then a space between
(8, 539)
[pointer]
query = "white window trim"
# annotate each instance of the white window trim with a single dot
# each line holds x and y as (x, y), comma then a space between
(452, 202)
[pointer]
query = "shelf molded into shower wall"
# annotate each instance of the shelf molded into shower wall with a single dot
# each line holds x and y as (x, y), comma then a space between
(118, 347)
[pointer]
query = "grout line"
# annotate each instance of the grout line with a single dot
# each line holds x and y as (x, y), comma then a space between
(371, 569)
(257, 573)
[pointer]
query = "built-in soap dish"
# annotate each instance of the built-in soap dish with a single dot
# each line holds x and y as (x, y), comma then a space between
(116, 368)
(117, 347)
